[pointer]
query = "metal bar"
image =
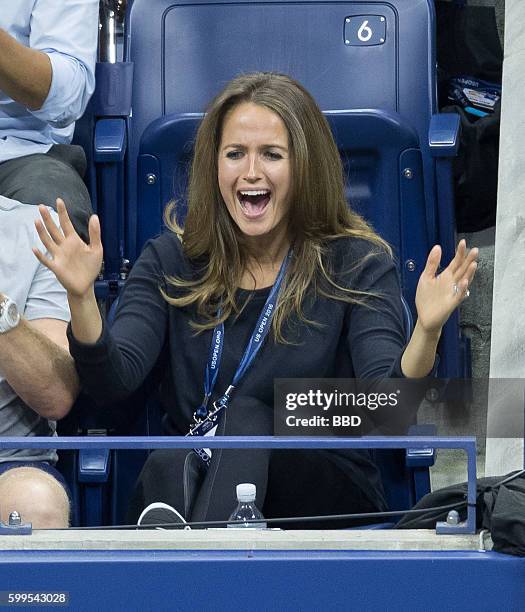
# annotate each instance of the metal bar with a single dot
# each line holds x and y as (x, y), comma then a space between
(471, 491)
(466, 443)
(107, 32)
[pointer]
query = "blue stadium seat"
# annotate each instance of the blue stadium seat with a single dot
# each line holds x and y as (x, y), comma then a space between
(371, 59)
(376, 147)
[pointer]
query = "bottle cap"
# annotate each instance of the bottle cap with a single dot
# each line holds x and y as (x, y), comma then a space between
(246, 492)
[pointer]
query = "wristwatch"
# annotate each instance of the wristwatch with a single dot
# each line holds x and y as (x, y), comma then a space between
(9, 315)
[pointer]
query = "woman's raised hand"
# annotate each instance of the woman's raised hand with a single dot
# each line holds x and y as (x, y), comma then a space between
(438, 295)
(75, 263)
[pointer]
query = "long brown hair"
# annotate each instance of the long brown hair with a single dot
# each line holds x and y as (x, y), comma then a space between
(319, 212)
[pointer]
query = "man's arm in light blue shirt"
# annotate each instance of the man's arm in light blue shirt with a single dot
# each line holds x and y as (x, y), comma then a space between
(25, 74)
(55, 77)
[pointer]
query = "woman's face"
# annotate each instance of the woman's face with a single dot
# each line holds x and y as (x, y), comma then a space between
(255, 172)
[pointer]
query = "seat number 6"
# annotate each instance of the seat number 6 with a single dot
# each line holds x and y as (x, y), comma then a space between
(365, 30)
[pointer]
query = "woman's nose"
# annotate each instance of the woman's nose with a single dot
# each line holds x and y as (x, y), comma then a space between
(252, 169)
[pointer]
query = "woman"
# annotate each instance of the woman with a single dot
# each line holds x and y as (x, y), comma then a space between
(268, 235)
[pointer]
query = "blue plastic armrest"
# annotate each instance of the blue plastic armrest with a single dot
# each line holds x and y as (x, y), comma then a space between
(93, 465)
(421, 457)
(443, 135)
(110, 140)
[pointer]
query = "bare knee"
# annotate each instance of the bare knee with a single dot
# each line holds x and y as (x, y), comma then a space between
(38, 497)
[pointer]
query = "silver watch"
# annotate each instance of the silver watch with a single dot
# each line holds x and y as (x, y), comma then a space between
(9, 315)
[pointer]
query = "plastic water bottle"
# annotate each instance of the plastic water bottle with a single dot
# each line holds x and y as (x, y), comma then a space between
(246, 508)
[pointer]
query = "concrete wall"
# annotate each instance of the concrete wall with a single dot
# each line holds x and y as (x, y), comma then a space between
(476, 323)
(508, 319)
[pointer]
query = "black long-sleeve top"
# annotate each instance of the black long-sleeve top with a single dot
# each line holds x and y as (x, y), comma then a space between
(350, 341)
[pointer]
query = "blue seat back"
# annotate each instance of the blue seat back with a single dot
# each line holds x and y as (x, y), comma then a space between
(184, 54)
(375, 147)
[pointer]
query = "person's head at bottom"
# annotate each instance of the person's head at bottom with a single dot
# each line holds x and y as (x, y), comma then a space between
(37, 497)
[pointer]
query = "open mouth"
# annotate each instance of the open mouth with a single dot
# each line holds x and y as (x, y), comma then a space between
(254, 202)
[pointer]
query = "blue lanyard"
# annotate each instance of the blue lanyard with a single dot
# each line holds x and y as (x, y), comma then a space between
(205, 419)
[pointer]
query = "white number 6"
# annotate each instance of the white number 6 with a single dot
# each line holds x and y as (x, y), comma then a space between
(364, 33)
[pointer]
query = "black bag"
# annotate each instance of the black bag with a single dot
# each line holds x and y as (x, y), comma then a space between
(504, 513)
(468, 48)
(476, 170)
(500, 508)
(467, 43)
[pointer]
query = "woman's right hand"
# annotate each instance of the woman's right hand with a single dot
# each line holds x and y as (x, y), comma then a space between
(75, 263)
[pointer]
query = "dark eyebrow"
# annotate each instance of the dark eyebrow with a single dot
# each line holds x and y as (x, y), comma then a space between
(264, 146)
(275, 146)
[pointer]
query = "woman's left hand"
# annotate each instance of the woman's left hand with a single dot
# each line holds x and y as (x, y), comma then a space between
(438, 295)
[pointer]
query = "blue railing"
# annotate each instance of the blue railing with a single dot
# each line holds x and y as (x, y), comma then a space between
(468, 444)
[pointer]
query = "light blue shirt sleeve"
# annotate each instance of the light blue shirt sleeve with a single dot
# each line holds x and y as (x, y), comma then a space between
(46, 298)
(68, 32)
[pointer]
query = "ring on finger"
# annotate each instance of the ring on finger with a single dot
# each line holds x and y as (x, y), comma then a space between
(455, 289)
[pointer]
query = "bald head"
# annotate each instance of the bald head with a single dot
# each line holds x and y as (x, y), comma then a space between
(38, 497)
